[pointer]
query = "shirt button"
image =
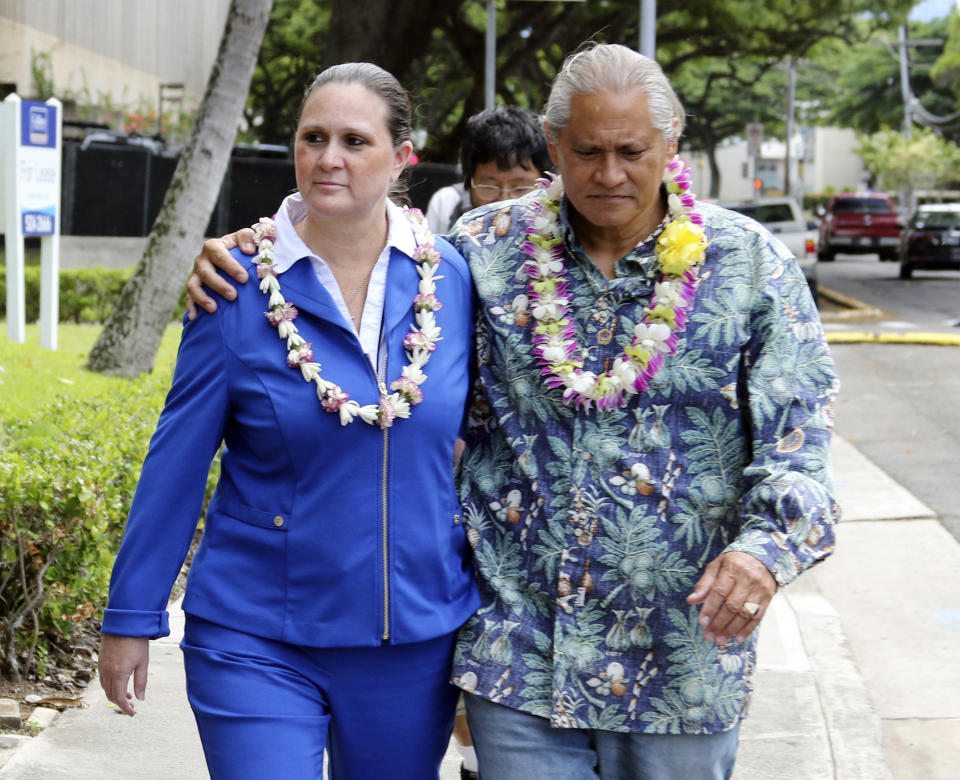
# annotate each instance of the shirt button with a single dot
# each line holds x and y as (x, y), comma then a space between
(278, 521)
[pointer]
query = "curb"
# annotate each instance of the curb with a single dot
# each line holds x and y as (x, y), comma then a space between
(839, 298)
(856, 309)
(918, 337)
(854, 728)
(40, 719)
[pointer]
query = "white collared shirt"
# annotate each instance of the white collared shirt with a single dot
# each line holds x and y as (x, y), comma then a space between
(290, 247)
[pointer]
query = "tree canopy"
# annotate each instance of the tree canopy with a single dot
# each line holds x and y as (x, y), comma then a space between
(864, 89)
(715, 51)
(923, 161)
(946, 70)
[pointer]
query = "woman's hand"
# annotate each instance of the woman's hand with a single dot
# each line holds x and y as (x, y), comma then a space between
(216, 254)
(121, 656)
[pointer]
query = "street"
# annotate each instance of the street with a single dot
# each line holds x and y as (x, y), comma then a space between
(930, 300)
(898, 402)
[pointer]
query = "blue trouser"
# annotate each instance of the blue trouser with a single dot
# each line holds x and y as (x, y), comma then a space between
(267, 709)
(514, 745)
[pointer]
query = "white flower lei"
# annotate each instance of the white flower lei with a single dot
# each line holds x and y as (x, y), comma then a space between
(680, 250)
(419, 343)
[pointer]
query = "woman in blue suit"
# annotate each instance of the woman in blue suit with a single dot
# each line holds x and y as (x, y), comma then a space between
(333, 573)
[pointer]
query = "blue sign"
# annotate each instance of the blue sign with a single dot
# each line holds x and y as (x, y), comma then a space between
(39, 223)
(38, 124)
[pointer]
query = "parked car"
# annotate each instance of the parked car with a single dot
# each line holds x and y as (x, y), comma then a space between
(783, 218)
(932, 239)
(860, 223)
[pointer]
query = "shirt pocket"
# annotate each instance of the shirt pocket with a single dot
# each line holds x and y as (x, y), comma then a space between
(262, 518)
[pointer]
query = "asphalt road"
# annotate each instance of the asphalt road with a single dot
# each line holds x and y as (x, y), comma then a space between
(900, 403)
(930, 299)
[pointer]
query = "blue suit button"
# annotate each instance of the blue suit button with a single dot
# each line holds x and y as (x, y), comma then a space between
(278, 521)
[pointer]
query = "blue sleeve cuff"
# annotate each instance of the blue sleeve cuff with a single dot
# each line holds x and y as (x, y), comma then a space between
(129, 622)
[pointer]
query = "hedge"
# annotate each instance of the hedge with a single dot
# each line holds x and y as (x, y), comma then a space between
(67, 477)
(87, 295)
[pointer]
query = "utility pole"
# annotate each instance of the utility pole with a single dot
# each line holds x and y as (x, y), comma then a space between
(905, 82)
(648, 28)
(491, 60)
(906, 196)
(791, 80)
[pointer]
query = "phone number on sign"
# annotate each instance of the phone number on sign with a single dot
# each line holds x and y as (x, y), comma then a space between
(37, 224)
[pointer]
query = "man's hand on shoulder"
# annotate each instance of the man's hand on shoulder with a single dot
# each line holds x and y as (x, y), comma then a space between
(216, 254)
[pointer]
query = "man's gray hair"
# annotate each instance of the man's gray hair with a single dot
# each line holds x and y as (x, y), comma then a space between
(610, 67)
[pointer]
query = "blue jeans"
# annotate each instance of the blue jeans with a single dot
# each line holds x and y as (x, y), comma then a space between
(513, 745)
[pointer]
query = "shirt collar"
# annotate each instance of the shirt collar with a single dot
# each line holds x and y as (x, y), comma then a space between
(289, 247)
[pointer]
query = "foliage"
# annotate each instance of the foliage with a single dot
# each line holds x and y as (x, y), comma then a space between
(946, 70)
(86, 294)
(41, 71)
(859, 85)
(304, 36)
(172, 126)
(440, 58)
(71, 444)
(726, 88)
(131, 116)
(289, 58)
(924, 161)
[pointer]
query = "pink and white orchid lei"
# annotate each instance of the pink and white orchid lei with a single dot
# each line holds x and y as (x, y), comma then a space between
(680, 250)
(419, 343)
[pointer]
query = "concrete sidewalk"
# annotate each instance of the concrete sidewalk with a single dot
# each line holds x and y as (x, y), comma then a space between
(857, 674)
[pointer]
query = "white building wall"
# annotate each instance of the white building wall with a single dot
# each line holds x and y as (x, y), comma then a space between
(835, 164)
(736, 172)
(112, 51)
(826, 160)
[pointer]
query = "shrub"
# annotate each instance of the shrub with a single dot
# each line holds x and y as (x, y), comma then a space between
(87, 295)
(813, 201)
(67, 477)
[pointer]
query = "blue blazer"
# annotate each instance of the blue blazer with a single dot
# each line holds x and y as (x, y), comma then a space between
(317, 534)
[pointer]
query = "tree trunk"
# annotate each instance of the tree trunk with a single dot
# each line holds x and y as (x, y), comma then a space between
(711, 151)
(391, 34)
(128, 343)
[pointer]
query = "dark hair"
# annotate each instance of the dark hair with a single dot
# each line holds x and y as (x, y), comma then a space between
(380, 83)
(508, 134)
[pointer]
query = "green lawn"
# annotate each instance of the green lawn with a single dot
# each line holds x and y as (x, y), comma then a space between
(31, 376)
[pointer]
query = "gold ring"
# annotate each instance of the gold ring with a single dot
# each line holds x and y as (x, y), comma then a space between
(749, 609)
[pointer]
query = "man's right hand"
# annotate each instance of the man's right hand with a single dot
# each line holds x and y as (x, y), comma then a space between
(216, 254)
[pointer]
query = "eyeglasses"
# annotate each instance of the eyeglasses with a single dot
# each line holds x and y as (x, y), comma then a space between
(493, 191)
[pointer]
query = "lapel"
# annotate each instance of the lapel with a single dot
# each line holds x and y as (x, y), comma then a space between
(402, 285)
(301, 287)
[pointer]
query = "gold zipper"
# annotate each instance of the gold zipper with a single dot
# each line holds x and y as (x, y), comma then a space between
(384, 536)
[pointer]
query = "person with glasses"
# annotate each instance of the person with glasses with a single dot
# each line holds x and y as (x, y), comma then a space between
(503, 154)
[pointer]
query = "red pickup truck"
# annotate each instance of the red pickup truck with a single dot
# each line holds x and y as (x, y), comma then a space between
(859, 223)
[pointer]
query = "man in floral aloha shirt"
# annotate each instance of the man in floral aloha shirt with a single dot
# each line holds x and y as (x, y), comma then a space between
(649, 455)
